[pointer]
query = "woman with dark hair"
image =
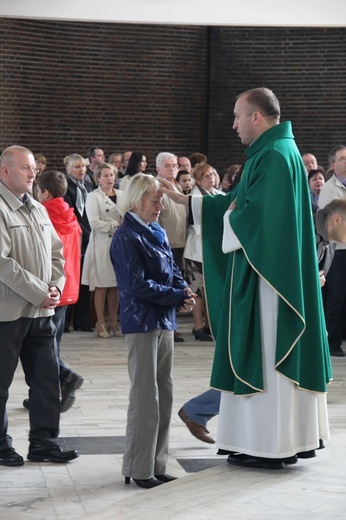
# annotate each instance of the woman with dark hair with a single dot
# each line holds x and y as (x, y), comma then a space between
(137, 164)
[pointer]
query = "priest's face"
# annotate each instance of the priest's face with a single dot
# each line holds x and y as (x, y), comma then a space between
(244, 121)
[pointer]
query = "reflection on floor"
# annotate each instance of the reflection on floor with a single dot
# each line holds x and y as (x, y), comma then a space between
(207, 488)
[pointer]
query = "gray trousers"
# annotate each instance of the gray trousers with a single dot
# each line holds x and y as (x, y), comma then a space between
(150, 364)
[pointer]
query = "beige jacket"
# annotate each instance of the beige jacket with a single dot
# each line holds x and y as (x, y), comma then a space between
(174, 219)
(31, 258)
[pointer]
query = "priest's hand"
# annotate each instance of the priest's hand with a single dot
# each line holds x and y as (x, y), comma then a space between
(172, 192)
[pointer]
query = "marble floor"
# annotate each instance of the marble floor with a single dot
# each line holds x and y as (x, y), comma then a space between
(208, 488)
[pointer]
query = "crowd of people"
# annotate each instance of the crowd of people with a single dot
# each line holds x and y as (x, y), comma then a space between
(238, 251)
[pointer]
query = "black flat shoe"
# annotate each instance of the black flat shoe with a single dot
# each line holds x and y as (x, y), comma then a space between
(50, 453)
(165, 478)
(248, 461)
(9, 457)
(145, 484)
(201, 335)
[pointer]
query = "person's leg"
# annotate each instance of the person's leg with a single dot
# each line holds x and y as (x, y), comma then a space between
(69, 380)
(203, 407)
(113, 304)
(59, 322)
(40, 365)
(99, 302)
(335, 298)
(165, 388)
(11, 337)
(143, 410)
(81, 317)
(197, 313)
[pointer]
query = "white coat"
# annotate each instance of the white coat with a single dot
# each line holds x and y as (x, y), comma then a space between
(104, 218)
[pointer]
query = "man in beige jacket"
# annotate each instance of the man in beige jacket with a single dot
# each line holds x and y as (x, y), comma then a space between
(31, 281)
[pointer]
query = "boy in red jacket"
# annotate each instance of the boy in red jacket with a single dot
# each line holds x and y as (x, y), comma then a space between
(51, 188)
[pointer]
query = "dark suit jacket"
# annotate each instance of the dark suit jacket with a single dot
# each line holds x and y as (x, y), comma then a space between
(70, 198)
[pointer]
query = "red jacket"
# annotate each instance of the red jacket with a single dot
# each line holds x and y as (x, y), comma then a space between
(66, 225)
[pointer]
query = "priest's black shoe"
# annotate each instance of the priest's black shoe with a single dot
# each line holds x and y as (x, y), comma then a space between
(165, 478)
(146, 483)
(50, 453)
(9, 457)
(248, 461)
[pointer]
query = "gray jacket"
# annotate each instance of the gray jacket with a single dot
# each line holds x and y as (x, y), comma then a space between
(325, 248)
(31, 257)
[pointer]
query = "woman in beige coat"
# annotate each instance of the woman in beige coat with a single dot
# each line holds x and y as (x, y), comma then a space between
(104, 218)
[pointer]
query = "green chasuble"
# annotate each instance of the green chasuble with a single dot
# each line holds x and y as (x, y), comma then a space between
(273, 223)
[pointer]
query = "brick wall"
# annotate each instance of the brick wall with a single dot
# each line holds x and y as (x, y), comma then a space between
(66, 86)
(304, 67)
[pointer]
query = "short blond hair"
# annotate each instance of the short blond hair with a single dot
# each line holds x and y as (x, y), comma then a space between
(139, 185)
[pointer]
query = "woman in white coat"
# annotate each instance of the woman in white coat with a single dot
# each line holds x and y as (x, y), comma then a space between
(104, 218)
(204, 176)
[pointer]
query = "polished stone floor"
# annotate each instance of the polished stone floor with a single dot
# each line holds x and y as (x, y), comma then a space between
(207, 489)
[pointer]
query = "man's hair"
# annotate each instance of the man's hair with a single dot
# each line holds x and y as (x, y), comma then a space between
(336, 206)
(8, 153)
(91, 151)
(53, 181)
(138, 186)
(181, 173)
(102, 166)
(264, 101)
(113, 156)
(332, 153)
(162, 157)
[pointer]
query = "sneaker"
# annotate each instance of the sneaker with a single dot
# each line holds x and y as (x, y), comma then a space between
(68, 388)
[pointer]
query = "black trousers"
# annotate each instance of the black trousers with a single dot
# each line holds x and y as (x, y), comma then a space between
(334, 296)
(32, 340)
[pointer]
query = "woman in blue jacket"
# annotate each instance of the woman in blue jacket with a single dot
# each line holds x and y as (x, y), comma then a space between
(150, 289)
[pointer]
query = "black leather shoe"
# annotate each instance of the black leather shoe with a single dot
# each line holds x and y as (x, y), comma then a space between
(201, 335)
(178, 338)
(9, 457)
(50, 453)
(68, 388)
(145, 484)
(248, 461)
(165, 478)
(336, 351)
